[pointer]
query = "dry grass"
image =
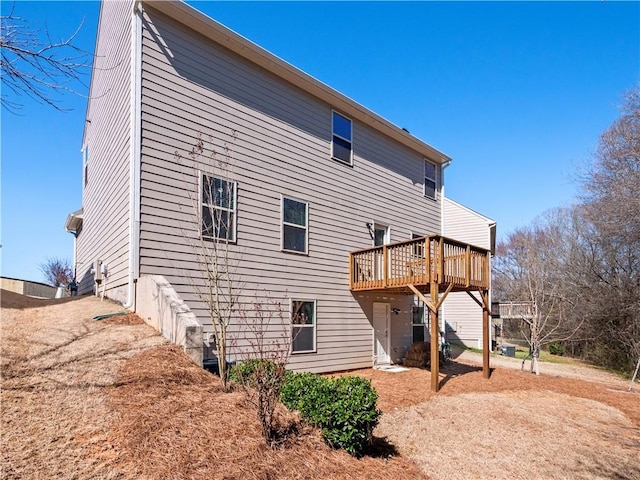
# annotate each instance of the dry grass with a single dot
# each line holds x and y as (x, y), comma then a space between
(111, 400)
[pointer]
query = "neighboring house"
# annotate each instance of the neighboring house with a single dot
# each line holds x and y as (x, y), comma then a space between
(313, 177)
(462, 318)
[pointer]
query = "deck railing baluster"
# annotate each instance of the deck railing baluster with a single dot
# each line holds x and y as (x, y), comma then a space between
(419, 262)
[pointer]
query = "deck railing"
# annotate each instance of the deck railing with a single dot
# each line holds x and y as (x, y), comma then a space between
(517, 310)
(419, 262)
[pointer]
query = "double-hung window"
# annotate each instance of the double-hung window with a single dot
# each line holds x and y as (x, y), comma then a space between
(218, 202)
(430, 171)
(341, 146)
(303, 326)
(295, 225)
(417, 324)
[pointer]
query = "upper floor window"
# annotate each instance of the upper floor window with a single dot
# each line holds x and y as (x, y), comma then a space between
(295, 225)
(218, 207)
(429, 179)
(341, 147)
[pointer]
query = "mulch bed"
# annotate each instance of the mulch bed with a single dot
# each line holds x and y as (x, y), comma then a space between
(175, 421)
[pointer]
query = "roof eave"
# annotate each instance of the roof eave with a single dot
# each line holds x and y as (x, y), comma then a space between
(74, 221)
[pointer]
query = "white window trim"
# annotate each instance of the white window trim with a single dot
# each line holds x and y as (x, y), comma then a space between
(314, 325)
(413, 236)
(434, 180)
(423, 324)
(333, 134)
(283, 223)
(201, 204)
(387, 236)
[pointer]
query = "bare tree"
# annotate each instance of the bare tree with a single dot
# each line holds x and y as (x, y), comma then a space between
(580, 267)
(528, 268)
(264, 345)
(612, 208)
(36, 66)
(211, 235)
(57, 271)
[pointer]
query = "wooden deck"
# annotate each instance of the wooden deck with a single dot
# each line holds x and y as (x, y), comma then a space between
(421, 262)
(429, 267)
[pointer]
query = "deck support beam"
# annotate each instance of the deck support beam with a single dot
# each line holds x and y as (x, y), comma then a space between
(433, 306)
(486, 371)
(435, 348)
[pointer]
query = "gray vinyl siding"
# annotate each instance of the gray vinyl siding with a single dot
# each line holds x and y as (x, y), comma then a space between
(282, 148)
(105, 199)
(462, 314)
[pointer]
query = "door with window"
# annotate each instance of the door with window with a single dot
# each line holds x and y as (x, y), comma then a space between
(380, 237)
(381, 333)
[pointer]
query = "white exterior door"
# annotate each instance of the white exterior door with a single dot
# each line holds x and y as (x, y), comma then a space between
(381, 333)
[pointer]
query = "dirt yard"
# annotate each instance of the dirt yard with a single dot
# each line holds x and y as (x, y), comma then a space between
(110, 399)
(548, 426)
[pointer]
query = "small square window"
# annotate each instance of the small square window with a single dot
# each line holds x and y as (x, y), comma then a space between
(303, 326)
(218, 208)
(341, 146)
(295, 231)
(430, 172)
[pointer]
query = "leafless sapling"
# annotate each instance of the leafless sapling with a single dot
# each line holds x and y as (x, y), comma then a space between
(211, 234)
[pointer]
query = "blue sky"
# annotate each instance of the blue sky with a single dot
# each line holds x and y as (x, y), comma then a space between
(516, 93)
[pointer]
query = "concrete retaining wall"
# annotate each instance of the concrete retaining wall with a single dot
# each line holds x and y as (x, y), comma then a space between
(160, 306)
(26, 287)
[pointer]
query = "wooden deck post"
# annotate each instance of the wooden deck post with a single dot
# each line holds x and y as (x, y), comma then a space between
(385, 269)
(486, 316)
(441, 260)
(467, 270)
(427, 260)
(435, 347)
(351, 270)
(486, 372)
(433, 305)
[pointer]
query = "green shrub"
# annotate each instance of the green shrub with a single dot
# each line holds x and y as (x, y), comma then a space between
(556, 348)
(245, 372)
(344, 408)
(242, 372)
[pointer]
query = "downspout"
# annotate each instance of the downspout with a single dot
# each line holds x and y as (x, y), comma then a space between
(442, 196)
(134, 154)
(492, 243)
(442, 223)
(75, 256)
